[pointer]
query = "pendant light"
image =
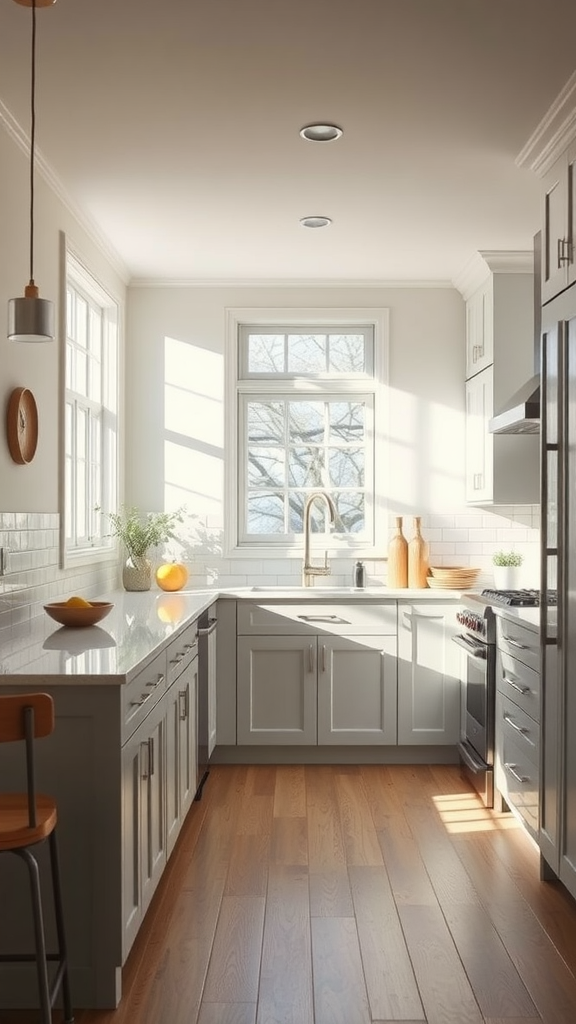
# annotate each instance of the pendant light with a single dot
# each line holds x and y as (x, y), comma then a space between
(31, 318)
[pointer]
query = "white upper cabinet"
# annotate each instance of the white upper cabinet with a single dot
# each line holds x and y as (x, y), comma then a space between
(479, 332)
(559, 225)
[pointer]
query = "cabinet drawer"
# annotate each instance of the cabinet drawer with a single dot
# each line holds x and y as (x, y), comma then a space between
(515, 639)
(312, 617)
(519, 684)
(521, 730)
(519, 782)
(141, 694)
(181, 651)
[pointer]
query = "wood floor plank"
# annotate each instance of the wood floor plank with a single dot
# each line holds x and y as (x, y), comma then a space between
(248, 867)
(289, 841)
(495, 981)
(325, 843)
(382, 796)
(408, 876)
(340, 995)
(358, 832)
(444, 988)
(330, 894)
(285, 993)
(290, 792)
(235, 963)
(390, 982)
(227, 1013)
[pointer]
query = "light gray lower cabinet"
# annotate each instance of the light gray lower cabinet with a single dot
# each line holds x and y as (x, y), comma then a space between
(517, 726)
(143, 815)
(428, 674)
(181, 750)
(304, 690)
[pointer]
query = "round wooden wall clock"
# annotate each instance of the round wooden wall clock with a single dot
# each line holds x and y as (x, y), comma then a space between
(22, 425)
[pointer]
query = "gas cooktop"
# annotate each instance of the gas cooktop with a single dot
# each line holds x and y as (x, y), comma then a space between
(518, 598)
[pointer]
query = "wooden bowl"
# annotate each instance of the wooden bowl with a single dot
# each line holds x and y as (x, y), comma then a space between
(67, 615)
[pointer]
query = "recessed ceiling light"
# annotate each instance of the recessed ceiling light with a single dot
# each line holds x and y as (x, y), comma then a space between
(321, 132)
(315, 222)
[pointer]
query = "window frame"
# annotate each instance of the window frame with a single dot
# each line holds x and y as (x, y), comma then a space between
(239, 384)
(97, 547)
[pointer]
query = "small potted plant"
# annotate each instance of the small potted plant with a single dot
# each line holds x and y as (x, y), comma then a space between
(506, 569)
(139, 533)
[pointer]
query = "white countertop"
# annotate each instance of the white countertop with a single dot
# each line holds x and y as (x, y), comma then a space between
(139, 623)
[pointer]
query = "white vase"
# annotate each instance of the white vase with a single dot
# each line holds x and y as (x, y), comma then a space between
(507, 577)
(137, 574)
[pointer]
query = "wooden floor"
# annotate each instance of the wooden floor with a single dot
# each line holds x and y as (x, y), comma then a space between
(348, 895)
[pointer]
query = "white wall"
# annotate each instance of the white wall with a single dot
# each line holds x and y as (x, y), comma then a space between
(34, 488)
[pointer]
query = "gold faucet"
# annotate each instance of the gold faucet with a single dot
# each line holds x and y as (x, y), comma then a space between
(310, 571)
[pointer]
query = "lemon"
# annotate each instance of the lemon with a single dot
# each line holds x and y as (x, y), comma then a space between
(77, 602)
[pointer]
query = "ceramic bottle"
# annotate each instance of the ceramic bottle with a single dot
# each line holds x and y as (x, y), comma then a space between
(398, 558)
(417, 559)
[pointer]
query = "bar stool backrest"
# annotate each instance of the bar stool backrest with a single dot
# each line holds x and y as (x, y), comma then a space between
(27, 716)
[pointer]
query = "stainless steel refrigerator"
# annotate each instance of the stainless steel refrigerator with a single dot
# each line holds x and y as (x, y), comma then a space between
(558, 574)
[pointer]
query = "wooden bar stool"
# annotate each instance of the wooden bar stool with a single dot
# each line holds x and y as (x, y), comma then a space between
(27, 819)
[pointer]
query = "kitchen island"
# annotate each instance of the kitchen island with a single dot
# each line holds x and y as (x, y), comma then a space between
(122, 761)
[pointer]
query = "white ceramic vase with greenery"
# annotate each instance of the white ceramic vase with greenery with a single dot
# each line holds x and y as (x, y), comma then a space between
(139, 534)
(507, 565)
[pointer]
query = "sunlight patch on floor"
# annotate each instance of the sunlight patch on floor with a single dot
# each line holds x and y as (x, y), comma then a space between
(465, 812)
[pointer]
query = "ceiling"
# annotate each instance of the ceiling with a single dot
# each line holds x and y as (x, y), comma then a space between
(174, 128)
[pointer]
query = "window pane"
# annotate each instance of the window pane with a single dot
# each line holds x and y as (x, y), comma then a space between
(80, 367)
(351, 510)
(80, 334)
(306, 467)
(347, 353)
(265, 422)
(265, 513)
(306, 422)
(67, 430)
(69, 358)
(346, 467)
(307, 353)
(95, 380)
(266, 467)
(95, 333)
(266, 353)
(319, 515)
(347, 421)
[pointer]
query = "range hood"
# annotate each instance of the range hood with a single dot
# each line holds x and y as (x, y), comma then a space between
(521, 414)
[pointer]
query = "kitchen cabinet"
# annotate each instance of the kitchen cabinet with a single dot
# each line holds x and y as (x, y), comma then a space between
(559, 225)
(479, 329)
(143, 816)
(517, 723)
(429, 674)
(181, 749)
(500, 468)
(316, 674)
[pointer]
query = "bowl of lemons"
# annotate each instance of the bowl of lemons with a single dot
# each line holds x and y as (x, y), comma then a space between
(77, 611)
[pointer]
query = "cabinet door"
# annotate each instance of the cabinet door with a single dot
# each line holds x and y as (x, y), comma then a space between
(212, 646)
(429, 682)
(558, 226)
(479, 442)
(479, 330)
(357, 690)
(153, 836)
(277, 690)
(181, 751)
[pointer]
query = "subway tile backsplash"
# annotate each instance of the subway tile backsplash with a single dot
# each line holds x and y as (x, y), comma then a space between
(33, 577)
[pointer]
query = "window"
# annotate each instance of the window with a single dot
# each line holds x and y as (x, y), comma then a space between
(91, 409)
(306, 406)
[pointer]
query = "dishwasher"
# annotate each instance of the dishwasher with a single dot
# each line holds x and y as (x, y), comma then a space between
(206, 693)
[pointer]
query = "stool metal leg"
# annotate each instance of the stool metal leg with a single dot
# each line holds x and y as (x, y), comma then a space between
(59, 915)
(41, 964)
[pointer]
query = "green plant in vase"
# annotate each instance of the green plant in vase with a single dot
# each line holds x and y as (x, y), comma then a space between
(506, 569)
(139, 533)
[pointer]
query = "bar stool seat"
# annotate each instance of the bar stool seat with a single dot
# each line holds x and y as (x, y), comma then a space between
(26, 820)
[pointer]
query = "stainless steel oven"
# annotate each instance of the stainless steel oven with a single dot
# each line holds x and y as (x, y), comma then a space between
(476, 747)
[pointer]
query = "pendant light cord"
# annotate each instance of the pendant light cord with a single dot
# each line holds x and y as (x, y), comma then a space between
(32, 138)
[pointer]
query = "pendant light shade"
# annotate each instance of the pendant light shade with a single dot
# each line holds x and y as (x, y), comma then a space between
(31, 318)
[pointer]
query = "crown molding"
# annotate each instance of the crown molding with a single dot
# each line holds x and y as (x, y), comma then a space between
(556, 131)
(491, 261)
(19, 136)
(143, 282)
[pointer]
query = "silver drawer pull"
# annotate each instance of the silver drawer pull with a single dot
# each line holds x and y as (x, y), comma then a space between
(151, 755)
(177, 659)
(138, 703)
(515, 643)
(519, 728)
(323, 657)
(519, 778)
(205, 630)
(183, 700)
(310, 658)
(511, 680)
(190, 647)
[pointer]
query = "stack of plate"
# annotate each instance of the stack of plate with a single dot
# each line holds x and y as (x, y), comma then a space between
(452, 577)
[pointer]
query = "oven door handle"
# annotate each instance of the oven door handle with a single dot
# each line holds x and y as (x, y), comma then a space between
(475, 651)
(473, 761)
